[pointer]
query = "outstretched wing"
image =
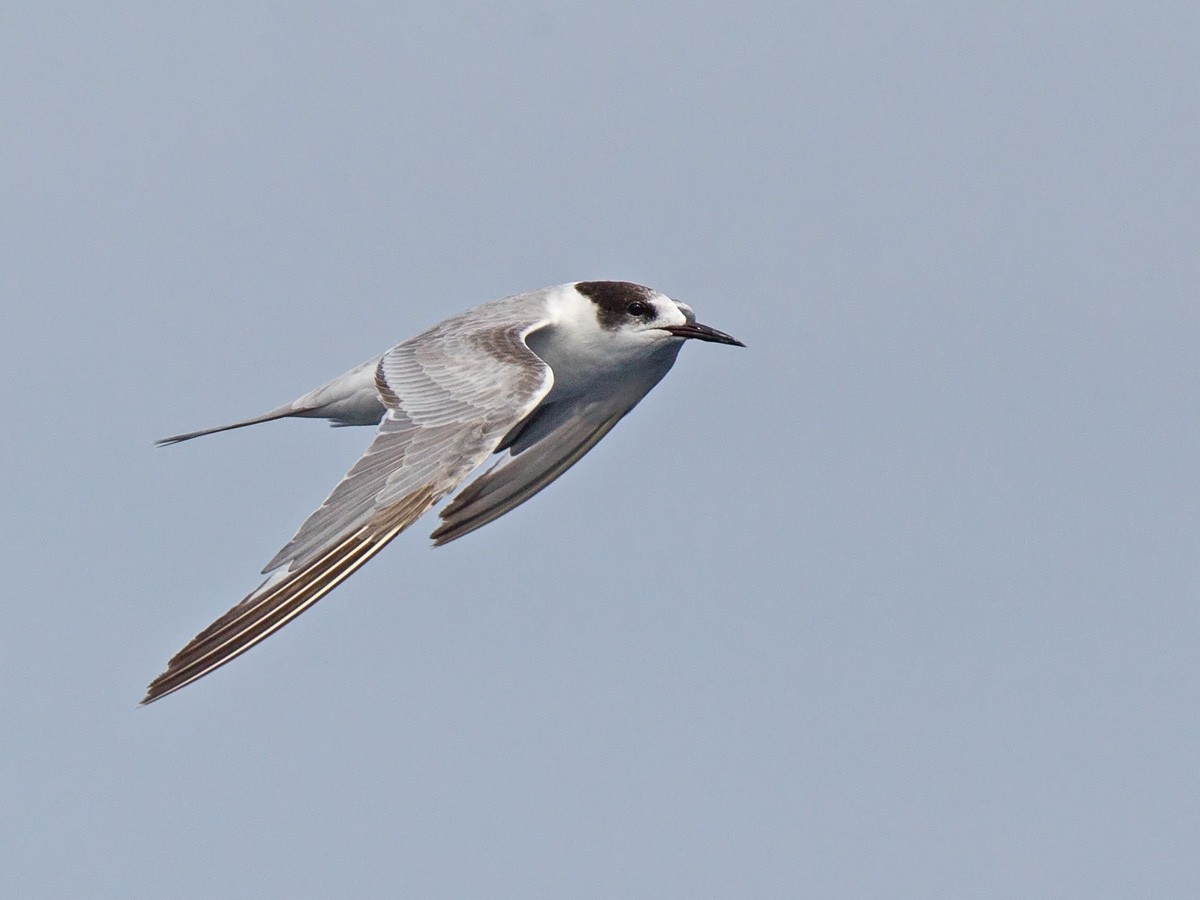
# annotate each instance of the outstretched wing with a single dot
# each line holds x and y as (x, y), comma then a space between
(452, 393)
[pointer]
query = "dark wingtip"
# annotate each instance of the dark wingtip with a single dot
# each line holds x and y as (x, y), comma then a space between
(154, 690)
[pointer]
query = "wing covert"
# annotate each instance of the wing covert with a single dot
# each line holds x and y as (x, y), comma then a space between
(452, 395)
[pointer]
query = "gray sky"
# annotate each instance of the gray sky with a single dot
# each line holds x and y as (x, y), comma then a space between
(899, 601)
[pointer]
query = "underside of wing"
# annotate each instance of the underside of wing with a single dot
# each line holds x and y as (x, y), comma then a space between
(557, 434)
(567, 432)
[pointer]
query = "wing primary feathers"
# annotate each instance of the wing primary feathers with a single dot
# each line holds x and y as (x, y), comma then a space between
(242, 628)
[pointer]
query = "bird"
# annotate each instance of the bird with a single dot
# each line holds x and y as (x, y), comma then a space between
(537, 378)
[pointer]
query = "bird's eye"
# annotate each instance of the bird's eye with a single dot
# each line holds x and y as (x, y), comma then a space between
(638, 308)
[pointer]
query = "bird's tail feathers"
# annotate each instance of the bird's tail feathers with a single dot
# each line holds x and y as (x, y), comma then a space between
(280, 413)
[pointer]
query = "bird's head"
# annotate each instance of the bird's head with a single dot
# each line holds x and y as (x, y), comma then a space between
(632, 313)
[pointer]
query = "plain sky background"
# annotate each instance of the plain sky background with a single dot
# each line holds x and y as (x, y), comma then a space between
(899, 601)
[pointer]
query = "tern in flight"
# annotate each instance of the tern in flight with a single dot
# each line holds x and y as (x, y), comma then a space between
(539, 377)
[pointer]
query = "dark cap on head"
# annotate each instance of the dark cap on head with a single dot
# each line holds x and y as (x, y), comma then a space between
(612, 299)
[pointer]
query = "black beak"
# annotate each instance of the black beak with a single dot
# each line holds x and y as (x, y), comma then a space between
(702, 333)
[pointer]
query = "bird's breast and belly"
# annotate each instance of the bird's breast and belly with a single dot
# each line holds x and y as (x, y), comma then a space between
(594, 368)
